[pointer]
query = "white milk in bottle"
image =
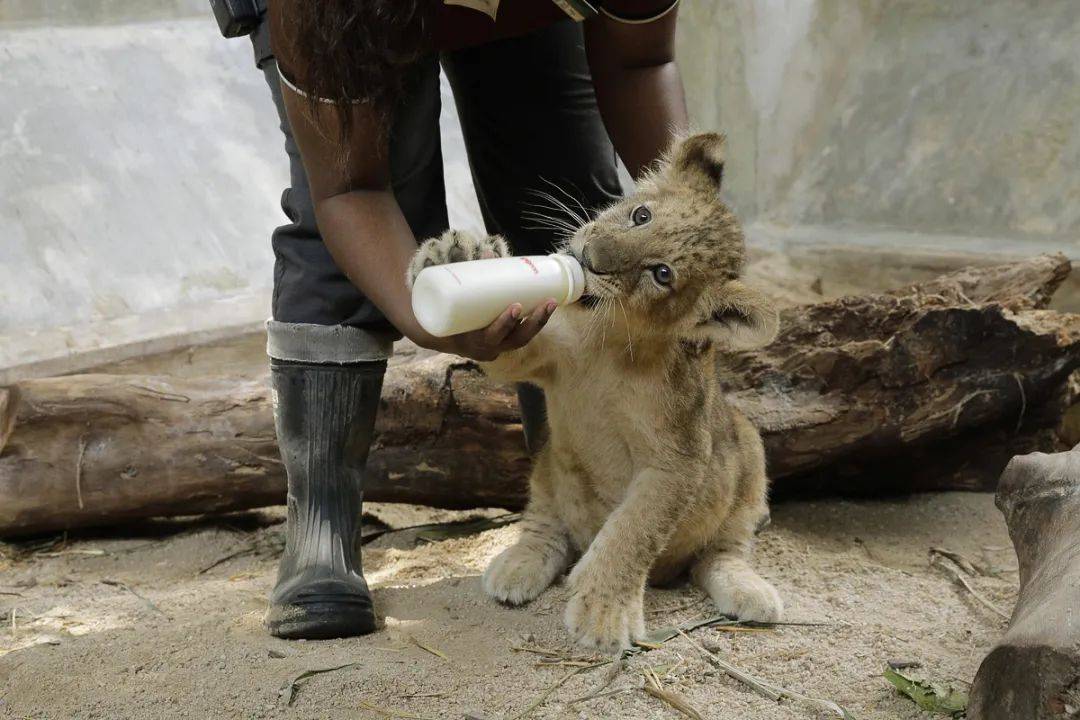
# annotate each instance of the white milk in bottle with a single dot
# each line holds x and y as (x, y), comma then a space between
(459, 297)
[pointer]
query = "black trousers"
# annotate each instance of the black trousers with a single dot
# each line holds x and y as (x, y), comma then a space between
(528, 114)
(529, 117)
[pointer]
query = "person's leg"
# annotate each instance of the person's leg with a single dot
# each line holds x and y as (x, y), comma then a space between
(530, 120)
(328, 346)
(536, 143)
(308, 286)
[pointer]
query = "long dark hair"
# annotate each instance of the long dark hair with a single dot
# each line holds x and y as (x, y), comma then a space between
(354, 50)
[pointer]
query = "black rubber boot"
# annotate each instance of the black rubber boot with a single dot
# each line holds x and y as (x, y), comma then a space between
(325, 417)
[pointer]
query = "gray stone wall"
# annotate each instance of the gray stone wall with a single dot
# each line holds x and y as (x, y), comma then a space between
(141, 168)
(140, 172)
(956, 118)
(93, 12)
(141, 163)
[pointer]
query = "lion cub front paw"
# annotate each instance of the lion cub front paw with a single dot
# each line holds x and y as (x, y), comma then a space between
(602, 619)
(455, 246)
(521, 572)
(749, 598)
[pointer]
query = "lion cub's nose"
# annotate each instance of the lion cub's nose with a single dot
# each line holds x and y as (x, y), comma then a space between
(598, 258)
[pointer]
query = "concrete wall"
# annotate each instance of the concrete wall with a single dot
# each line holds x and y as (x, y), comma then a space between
(141, 164)
(55, 13)
(141, 168)
(957, 118)
(138, 185)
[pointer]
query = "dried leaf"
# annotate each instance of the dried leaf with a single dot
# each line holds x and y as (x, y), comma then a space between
(289, 691)
(773, 692)
(446, 531)
(427, 648)
(435, 532)
(542, 697)
(146, 601)
(962, 581)
(968, 566)
(546, 652)
(658, 637)
(654, 688)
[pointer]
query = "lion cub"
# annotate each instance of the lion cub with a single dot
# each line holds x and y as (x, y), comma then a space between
(648, 471)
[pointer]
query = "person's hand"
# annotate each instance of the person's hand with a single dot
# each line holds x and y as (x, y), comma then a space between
(507, 332)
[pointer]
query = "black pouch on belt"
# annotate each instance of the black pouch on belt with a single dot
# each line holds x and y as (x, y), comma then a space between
(237, 17)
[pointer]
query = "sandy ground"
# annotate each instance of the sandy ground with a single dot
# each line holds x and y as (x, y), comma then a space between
(163, 619)
(131, 624)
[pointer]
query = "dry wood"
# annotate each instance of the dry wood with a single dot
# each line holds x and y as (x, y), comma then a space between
(762, 688)
(960, 560)
(869, 383)
(653, 687)
(775, 693)
(962, 581)
(1034, 670)
(542, 697)
(8, 401)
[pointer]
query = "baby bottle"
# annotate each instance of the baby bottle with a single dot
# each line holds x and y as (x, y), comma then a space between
(459, 297)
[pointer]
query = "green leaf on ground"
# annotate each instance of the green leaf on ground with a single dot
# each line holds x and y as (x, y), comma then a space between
(932, 696)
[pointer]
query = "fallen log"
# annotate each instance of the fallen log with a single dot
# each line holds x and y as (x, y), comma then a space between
(1034, 671)
(851, 388)
(859, 379)
(8, 401)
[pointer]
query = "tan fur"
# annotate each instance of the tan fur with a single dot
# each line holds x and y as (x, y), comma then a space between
(649, 471)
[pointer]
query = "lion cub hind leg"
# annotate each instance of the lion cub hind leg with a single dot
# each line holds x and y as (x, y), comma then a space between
(735, 587)
(721, 568)
(524, 570)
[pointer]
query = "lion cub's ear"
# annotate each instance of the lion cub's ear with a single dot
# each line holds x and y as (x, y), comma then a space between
(698, 161)
(738, 317)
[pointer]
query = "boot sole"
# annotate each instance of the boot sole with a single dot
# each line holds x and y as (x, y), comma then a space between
(324, 621)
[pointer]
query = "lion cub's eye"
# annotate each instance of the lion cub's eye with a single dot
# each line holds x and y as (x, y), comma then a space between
(663, 275)
(640, 215)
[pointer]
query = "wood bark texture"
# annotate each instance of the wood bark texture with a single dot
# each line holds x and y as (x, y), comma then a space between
(868, 391)
(1034, 671)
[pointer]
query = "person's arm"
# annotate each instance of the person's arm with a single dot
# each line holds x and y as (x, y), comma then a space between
(638, 86)
(365, 231)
